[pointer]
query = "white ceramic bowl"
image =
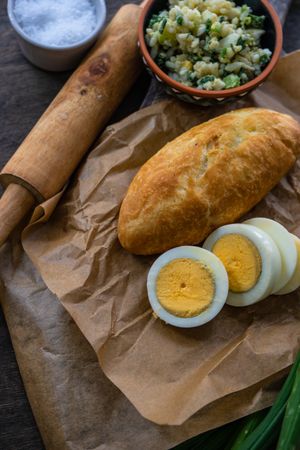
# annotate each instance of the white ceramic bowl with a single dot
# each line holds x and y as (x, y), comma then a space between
(56, 58)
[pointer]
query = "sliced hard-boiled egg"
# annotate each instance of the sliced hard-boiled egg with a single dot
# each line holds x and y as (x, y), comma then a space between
(187, 286)
(294, 282)
(251, 259)
(286, 247)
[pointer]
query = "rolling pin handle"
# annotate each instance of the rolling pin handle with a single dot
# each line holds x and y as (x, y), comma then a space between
(15, 203)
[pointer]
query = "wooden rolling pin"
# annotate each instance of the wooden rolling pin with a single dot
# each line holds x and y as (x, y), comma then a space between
(52, 150)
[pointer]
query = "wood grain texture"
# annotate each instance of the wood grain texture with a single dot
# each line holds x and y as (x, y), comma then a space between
(15, 203)
(54, 147)
(25, 93)
(52, 150)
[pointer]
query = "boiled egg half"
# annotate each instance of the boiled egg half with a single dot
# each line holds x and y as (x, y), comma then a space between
(286, 246)
(251, 259)
(187, 286)
(294, 282)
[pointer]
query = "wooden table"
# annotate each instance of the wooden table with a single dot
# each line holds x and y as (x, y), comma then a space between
(25, 92)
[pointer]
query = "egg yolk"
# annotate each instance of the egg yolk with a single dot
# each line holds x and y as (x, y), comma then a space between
(185, 287)
(241, 259)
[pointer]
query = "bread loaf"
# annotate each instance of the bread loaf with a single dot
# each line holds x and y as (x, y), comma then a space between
(207, 177)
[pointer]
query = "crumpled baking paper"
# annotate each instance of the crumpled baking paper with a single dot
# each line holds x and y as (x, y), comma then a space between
(76, 407)
(168, 374)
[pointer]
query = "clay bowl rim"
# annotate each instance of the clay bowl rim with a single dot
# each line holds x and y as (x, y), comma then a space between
(214, 94)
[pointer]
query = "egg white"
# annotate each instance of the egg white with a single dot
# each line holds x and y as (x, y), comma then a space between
(286, 247)
(220, 281)
(294, 282)
(270, 259)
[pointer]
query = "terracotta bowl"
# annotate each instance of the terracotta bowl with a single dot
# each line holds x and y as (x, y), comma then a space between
(272, 39)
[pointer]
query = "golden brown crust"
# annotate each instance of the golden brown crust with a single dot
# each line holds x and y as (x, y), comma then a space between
(207, 177)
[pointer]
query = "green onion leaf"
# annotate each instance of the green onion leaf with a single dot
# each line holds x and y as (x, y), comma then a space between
(249, 425)
(268, 430)
(290, 431)
(211, 440)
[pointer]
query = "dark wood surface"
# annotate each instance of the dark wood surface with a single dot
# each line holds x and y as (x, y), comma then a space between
(25, 92)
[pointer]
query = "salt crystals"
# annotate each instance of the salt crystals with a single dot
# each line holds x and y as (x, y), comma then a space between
(57, 23)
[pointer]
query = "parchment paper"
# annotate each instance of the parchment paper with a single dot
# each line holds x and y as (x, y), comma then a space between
(167, 373)
(75, 405)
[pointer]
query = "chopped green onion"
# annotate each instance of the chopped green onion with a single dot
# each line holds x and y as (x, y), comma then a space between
(254, 21)
(192, 77)
(241, 41)
(257, 21)
(208, 25)
(231, 81)
(207, 78)
(224, 52)
(216, 28)
(264, 59)
(154, 19)
(187, 38)
(162, 25)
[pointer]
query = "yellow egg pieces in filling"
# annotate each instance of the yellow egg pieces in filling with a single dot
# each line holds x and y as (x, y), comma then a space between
(187, 286)
(251, 259)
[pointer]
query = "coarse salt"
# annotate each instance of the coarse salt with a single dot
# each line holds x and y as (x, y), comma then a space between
(56, 23)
